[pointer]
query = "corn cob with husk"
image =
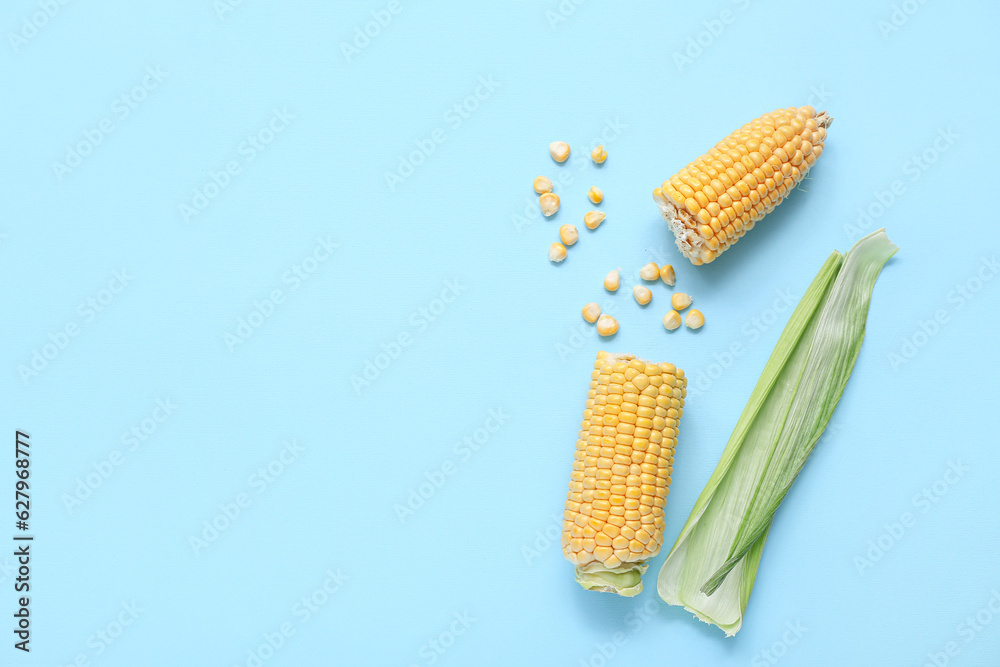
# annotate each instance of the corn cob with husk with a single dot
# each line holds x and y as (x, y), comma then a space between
(614, 518)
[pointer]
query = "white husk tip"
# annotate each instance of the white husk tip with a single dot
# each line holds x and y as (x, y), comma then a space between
(878, 232)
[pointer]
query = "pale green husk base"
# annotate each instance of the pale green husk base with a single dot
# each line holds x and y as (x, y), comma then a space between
(711, 569)
(624, 580)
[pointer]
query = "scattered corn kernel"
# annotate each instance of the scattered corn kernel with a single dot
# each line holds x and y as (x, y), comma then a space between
(672, 320)
(667, 274)
(680, 300)
(549, 203)
(599, 155)
(613, 280)
(557, 252)
(542, 185)
(568, 234)
(559, 150)
(591, 312)
(595, 195)
(593, 219)
(650, 272)
(694, 319)
(607, 325)
(642, 295)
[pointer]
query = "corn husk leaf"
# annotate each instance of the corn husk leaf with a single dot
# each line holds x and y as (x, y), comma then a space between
(712, 566)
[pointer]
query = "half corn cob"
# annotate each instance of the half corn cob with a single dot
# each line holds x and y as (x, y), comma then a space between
(613, 521)
(716, 199)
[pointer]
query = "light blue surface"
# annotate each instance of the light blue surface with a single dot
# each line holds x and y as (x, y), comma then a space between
(510, 345)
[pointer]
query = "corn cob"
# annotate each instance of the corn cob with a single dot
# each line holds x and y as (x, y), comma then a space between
(614, 518)
(716, 199)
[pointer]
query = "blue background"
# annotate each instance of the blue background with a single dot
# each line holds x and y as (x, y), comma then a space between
(511, 341)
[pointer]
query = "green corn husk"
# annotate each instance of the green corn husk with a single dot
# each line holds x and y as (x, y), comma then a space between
(711, 568)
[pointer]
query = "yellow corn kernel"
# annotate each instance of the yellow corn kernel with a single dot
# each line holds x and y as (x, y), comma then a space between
(593, 219)
(595, 195)
(559, 150)
(667, 274)
(599, 155)
(649, 272)
(542, 185)
(549, 203)
(614, 515)
(680, 300)
(712, 202)
(607, 325)
(642, 295)
(591, 312)
(671, 320)
(613, 280)
(568, 234)
(557, 252)
(694, 319)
